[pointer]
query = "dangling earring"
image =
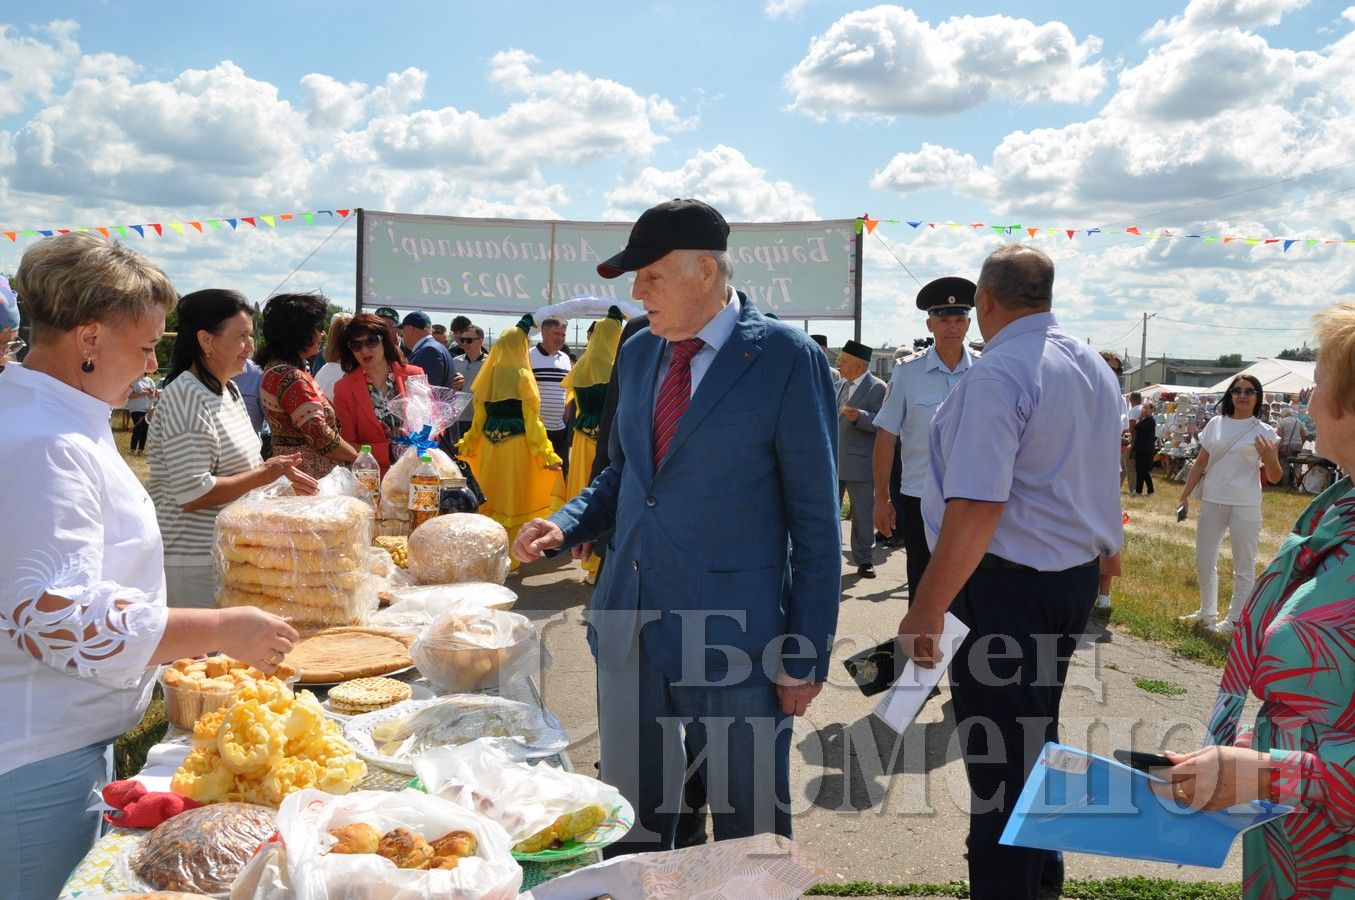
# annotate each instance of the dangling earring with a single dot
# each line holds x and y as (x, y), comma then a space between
(87, 366)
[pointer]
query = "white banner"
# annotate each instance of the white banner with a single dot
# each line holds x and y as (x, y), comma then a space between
(797, 270)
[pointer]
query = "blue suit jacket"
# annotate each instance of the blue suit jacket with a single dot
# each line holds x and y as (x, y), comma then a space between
(434, 359)
(741, 520)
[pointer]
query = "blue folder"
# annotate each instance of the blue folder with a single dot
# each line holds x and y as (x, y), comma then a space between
(1080, 802)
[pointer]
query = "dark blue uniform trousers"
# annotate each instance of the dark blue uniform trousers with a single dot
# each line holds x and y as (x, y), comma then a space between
(1007, 680)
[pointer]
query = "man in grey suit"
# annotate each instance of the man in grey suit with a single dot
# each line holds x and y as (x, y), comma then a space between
(859, 397)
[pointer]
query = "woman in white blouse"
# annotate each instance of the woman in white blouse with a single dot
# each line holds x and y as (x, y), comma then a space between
(1233, 447)
(83, 620)
(205, 452)
(332, 370)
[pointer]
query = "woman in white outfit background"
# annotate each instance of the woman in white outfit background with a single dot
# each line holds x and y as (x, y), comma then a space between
(1234, 445)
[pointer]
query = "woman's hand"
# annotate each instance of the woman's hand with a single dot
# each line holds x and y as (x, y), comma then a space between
(1215, 778)
(1269, 450)
(254, 636)
(285, 466)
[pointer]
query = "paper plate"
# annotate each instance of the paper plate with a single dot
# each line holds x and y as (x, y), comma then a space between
(416, 692)
(608, 831)
(548, 739)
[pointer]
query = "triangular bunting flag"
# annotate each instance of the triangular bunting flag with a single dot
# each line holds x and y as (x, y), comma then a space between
(343, 213)
(1311, 241)
(63, 231)
(1253, 240)
(1001, 229)
(309, 217)
(12, 235)
(214, 224)
(1226, 239)
(232, 223)
(46, 232)
(975, 224)
(870, 224)
(1272, 240)
(1093, 231)
(250, 220)
(284, 217)
(28, 233)
(177, 226)
(1289, 243)
(328, 212)
(103, 230)
(270, 221)
(140, 230)
(915, 224)
(121, 230)
(158, 230)
(1071, 232)
(890, 221)
(857, 225)
(197, 225)
(1151, 234)
(1132, 229)
(1031, 231)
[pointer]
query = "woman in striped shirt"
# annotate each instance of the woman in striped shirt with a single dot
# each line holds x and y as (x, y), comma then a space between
(204, 451)
(300, 416)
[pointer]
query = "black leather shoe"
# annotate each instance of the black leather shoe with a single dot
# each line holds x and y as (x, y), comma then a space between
(866, 571)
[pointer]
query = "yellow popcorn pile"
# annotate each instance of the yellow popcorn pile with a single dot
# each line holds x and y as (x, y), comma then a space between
(267, 744)
(397, 547)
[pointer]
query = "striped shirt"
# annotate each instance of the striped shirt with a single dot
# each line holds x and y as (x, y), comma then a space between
(549, 372)
(195, 436)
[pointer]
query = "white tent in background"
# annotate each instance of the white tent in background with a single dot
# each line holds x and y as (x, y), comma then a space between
(1279, 376)
(1153, 391)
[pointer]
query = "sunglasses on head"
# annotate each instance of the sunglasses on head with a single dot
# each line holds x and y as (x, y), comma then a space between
(1243, 392)
(357, 345)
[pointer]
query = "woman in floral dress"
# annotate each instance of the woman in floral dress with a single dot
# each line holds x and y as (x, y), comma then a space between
(1295, 650)
(299, 414)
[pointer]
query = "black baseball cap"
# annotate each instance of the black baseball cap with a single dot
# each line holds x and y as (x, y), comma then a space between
(673, 225)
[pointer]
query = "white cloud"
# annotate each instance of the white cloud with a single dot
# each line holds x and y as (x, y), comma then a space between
(1210, 15)
(775, 9)
(29, 65)
(931, 168)
(885, 61)
(722, 177)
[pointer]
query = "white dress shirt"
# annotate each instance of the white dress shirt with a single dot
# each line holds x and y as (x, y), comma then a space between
(78, 525)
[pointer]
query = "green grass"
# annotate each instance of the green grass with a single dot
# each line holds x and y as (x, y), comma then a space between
(129, 751)
(1159, 580)
(1134, 888)
(1158, 686)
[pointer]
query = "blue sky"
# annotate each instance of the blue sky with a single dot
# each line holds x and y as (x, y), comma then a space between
(1205, 115)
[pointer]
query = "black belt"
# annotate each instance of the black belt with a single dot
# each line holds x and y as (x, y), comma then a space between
(992, 561)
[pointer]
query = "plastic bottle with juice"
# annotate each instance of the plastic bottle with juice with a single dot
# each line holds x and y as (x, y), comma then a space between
(367, 471)
(423, 491)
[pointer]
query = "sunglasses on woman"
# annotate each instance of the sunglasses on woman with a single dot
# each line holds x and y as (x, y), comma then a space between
(1243, 392)
(357, 345)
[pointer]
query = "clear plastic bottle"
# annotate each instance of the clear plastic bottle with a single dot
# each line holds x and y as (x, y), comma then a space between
(368, 473)
(423, 491)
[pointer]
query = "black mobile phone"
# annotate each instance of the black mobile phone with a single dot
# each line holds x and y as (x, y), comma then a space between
(1181, 513)
(873, 669)
(1137, 759)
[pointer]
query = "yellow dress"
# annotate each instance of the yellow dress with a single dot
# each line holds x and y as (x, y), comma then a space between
(507, 446)
(586, 388)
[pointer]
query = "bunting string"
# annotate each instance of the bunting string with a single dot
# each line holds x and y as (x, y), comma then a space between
(147, 230)
(1073, 234)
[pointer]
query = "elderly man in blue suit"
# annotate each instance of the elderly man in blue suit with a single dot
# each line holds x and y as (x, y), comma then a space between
(713, 621)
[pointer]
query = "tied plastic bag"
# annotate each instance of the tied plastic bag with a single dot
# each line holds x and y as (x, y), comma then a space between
(395, 486)
(297, 556)
(426, 411)
(201, 850)
(457, 548)
(470, 648)
(491, 777)
(413, 608)
(301, 867)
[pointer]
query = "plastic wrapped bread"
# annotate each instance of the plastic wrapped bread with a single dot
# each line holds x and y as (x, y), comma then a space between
(202, 850)
(303, 557)
(395, 486)
(461, 547)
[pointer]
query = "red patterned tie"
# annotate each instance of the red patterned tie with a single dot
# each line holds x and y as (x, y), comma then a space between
(674, 395)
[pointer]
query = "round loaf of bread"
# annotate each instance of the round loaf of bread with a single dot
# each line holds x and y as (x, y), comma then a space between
(458, 547)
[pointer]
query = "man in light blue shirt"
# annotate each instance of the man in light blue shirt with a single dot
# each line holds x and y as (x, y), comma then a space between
(1021, 500)
(916, 391)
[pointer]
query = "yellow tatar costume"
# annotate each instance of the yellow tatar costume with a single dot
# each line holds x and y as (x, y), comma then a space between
(507, 446)
(586, 388)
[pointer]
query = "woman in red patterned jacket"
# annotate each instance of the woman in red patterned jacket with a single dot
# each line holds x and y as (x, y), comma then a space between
(300, 416)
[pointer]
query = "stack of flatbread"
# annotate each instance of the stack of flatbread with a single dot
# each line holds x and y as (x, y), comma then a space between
(343, 654)
(296, 556)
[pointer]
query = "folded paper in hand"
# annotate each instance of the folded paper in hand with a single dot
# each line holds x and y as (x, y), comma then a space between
(903, 701)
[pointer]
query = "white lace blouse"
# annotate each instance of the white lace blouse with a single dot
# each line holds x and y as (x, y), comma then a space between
(75, 523)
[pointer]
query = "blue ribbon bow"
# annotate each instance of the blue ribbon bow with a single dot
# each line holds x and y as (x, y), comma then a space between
(419, 440)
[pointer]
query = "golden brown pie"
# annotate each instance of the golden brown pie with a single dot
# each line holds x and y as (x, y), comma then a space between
(343, 654)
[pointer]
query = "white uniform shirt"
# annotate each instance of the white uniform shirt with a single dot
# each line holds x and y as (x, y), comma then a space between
(917, 389)
(77, 524)
(1233, 474)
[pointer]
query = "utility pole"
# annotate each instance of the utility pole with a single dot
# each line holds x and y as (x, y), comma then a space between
(1143, 348)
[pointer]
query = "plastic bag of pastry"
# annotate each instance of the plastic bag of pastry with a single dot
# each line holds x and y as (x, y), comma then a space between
(472, 648)
(305, 865)
(395, 486)
(539, 806)
(414, 607)
(456, 548)
(303, 557)
(202, 850)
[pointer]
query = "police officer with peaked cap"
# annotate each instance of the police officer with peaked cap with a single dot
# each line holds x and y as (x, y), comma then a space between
(916, 390)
